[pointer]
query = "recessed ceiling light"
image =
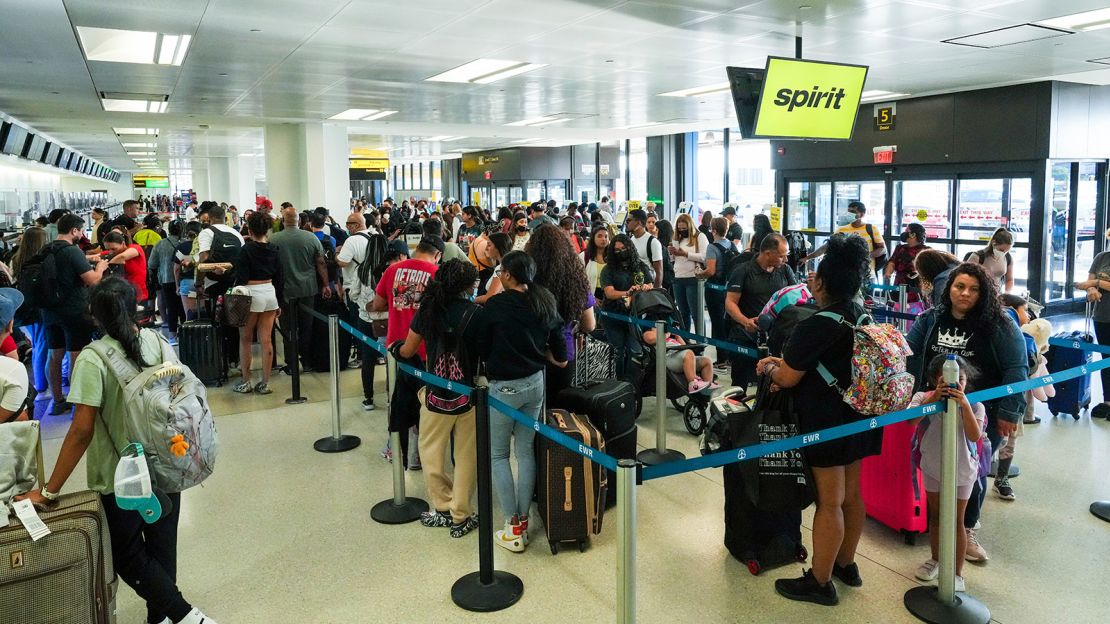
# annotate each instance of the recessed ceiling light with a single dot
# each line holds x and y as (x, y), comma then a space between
(719, 87)
(641, 125)
(1088, 20)
(534, 121)
(153, 131)
(140, 145)
(361, 114)
(379, 115)
(1011, 35)
(132, 46)
(140, 153)
(877, 94)
(443, 138)
(133, 106)
(485, 71)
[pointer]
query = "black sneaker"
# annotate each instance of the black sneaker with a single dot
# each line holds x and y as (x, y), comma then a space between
(807, 589)
(849, 574)
(58, 408)
(464, 527)
(1004, 491)
(435, 519)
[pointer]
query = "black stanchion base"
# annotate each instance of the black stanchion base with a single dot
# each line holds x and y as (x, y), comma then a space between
(296, 400)
(389, 512)
(922, 602)
(1101, 509)
(337, 445)
(652, 457)
(469, 593)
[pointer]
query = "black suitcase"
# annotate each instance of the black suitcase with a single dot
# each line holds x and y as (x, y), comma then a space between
(320, 357)
(201, 346)
(610, 406)
(571, 489)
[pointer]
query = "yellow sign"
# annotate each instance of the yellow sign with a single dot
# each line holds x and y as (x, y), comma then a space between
(375, 164)
(365, 152)
(923, 215)
(809, 99)
(776, 218)
(633, 204)
(476, 198)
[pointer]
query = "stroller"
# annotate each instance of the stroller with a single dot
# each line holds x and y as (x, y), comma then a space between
(655, 305)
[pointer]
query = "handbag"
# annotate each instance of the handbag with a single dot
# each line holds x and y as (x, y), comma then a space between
(780, 481)
(236, 307)
(20, 458)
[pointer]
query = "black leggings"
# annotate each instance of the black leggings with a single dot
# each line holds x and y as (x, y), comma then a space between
(175, 310)
(1102, 333)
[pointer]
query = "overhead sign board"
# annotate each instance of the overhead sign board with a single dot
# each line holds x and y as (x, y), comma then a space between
(809, 99)
(375, 164)
(145, 181)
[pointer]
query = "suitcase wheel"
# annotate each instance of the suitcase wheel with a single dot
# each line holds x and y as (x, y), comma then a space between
(754, 567)
(582, 544)
(680, 403)
(909, 538)
(1054, 412)
(803, 554)
(554, 547)
(693, 416)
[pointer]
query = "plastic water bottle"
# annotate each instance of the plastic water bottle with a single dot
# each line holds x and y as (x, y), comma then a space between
(951, 370)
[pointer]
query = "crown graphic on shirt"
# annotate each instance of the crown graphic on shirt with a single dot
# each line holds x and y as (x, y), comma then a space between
(953, 339)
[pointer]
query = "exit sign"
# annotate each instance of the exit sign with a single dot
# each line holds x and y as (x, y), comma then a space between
(489, 175)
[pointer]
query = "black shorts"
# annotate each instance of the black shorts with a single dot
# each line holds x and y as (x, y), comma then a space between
(71, 334)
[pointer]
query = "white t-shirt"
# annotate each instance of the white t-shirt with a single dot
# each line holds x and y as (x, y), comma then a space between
(352, 252)
(190, 214)
(656, 250)
(13, 383)
(690, 264)
(204, 240)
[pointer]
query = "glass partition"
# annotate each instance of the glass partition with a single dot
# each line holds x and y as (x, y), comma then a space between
(637, 169)
(927, 202)
(710, 182)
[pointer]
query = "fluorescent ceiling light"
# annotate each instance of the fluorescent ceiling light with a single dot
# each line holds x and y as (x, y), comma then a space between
(133, 106)
(361, 114)
(877, 94)
(153, 131)
(1010, 35)
(525, 140)
(550, 122)
(696, 91)
(132, 46)
(140, 153)
(140, 145)
(443, 138)
(533, 121)
(485, 71)
(641, 125)
(1088, 20)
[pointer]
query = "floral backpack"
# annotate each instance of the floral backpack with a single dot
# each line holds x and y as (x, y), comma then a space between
(880, 383)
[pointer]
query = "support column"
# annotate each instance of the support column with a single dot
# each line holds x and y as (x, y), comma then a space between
(308, 165)
(201, 186)
(241, 182)
(285, 168)
(219, 180)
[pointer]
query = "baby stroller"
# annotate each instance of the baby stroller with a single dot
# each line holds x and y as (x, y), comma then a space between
(654, 305)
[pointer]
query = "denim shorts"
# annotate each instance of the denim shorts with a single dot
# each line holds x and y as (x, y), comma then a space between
(186, 287)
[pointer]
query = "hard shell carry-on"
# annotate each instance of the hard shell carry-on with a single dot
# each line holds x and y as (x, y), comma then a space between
(610, 406)
(319, 358)
(201, 346)
(759, 539)
(893, 489)
(571, 489)
(1074, 395)
(594, 360)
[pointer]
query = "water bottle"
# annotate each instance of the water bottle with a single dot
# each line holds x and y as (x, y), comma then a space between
(951, 371)
(133, 488)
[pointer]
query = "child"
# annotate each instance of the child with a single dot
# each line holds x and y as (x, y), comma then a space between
(684, 361)
(928, 443)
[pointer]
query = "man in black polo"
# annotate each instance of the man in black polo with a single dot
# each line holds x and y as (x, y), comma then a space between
(749, 289)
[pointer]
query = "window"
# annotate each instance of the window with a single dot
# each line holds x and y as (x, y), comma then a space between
(437, 176)
(710, 180)
(926, 202)
(637, 169)
(751, 182)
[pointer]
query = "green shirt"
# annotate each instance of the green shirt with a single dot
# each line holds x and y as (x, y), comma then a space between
(94, 385)
(297, 250)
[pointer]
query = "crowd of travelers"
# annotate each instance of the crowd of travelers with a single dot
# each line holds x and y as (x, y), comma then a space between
(463, 291)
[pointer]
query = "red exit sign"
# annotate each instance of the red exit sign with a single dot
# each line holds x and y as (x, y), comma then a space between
(489, 175)
(884, 155)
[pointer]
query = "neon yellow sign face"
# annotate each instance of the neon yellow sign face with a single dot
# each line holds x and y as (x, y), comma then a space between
(809, 99)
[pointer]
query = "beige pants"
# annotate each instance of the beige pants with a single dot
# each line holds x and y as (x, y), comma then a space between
(447, 493)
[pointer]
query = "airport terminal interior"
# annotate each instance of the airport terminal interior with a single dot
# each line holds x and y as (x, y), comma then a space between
(955, 118)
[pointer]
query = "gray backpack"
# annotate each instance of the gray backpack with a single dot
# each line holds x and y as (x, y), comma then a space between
(167, 412)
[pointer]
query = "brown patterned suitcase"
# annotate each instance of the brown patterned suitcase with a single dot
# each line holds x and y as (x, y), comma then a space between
(571, 489)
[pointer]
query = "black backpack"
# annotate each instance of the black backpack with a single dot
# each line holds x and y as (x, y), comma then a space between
(329, 259)
(225, 247)
(799, 248)
(368, 268)
(729, 260)
(38, 282)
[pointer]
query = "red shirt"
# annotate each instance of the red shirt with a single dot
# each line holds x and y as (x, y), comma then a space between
(135, 272)
(402, 286)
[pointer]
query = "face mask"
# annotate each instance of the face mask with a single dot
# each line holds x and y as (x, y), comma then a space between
(624, 255)
(683, 233)
(846, 218)
(999, 255)
(521, 229)
(904, 237)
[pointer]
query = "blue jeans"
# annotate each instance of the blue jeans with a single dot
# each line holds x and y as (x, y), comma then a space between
(525, 395)
(686, 292)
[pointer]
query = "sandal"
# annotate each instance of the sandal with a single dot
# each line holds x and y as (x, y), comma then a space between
(243, 388)
(263, 388)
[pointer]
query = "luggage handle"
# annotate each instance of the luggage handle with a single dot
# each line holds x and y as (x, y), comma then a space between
(568, 477)
(1088, 318)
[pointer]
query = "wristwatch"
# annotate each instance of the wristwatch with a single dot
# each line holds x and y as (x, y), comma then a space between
(47, 494)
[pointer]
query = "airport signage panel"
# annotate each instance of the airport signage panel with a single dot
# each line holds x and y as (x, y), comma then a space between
(809, 99)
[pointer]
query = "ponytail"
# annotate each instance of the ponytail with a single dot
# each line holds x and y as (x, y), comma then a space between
(112, 302)
(540, 300)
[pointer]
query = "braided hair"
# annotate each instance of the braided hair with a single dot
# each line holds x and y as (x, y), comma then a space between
(455, 279)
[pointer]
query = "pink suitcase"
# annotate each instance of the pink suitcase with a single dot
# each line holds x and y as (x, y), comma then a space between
(888, 489)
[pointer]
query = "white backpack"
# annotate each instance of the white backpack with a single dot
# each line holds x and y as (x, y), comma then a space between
(166, 410)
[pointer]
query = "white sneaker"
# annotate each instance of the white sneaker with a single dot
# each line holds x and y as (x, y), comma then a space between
(961, 586)
(166, 621)
(928, 571)
(196, 617)
(511, 538)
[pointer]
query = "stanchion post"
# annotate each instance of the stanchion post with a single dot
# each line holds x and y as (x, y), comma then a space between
(903, 302)
(626, 542)
(338, 442)
(941, 604)
(400, 509)
(699, 314)
(294, 356)
(487, 589)
(660, 454)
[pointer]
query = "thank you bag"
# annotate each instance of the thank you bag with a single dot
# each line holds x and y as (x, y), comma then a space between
(166, 410)
(779, 481)
(880, 383)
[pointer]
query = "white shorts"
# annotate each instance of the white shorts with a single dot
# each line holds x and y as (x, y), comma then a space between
(263, 297)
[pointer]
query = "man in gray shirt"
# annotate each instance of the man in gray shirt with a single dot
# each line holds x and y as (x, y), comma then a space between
(302, 261)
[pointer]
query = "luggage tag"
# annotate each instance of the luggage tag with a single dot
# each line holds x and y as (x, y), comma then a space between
(26, 513)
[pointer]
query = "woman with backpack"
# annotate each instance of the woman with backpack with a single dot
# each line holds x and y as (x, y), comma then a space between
(30, 243)
(820, 340)
(144, 555)
(445, 323)
(719, 258)
(131, 258)
(519, 334)
(996, 259)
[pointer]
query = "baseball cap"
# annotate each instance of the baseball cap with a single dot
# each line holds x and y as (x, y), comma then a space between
(729, 209)
(434, 241)
(10, 300)
(399, 248)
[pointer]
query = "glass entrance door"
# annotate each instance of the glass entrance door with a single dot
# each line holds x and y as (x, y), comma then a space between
(1075, 226)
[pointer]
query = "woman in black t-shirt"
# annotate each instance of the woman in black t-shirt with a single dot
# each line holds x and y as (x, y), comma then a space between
(838, 523)
(624, 274)
(259, 269)
(445, 323)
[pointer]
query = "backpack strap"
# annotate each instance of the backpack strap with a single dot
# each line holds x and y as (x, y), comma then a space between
(123, 369)
(651, 239)
(821, 368)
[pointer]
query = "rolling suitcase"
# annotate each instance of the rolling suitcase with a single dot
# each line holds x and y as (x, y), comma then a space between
(201, 346)
(594, 360)
(320, 358)
(571, 489)
(892, 488)
(1074, 395)
(610, 406)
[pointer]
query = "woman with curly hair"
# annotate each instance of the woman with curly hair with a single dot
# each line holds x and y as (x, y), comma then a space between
(559, 269)
(970, 323)
(445, 324)
(624, 274)
(828, 340)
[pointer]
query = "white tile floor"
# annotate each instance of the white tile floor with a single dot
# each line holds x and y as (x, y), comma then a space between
(282, 534)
